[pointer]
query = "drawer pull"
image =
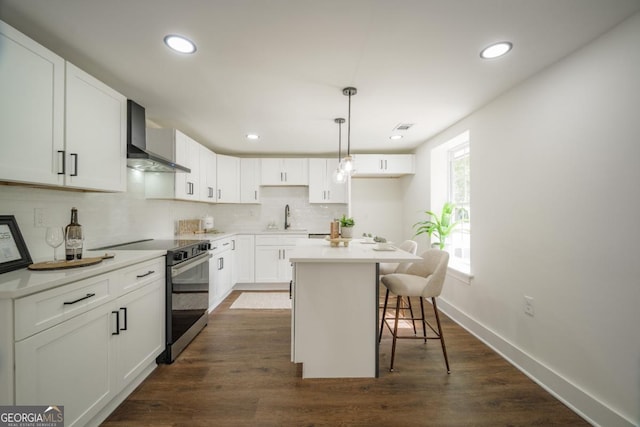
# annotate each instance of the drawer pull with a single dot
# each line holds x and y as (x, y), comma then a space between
(79, 299)
(140, 276)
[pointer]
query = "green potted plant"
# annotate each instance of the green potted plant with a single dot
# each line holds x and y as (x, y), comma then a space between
(346, 227)
(438, 225)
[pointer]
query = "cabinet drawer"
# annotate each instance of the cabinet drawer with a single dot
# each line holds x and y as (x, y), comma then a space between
(221, 245)
(38, 312)
(140, 274)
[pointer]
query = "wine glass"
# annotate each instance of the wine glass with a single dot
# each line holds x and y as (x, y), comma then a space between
(54, 236)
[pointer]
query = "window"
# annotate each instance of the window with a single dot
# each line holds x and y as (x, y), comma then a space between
(459, 189)
(451, 182)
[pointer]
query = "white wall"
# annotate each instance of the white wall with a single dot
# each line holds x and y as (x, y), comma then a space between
(377, 207)
(556, 201)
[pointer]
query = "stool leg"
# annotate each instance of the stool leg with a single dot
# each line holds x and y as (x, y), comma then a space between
(384, 311)
(444, 348)
(424, 325)
(412, 319)
(395, 332)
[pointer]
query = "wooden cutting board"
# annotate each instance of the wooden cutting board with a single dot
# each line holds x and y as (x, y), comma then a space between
(61, 265)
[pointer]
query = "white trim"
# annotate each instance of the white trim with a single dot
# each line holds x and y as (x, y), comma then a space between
(460, 273)
(577, 399)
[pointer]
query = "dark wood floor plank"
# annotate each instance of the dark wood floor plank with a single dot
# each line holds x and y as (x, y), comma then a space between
(237, 372)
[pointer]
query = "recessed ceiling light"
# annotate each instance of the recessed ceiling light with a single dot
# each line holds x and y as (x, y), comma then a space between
(253, 136)
(179, 43)
(395, 137)
(496, 50)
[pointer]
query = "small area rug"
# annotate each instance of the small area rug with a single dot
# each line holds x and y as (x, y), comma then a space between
(262, 300)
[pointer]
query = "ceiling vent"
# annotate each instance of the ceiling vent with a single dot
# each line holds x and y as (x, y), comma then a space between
(403, 127)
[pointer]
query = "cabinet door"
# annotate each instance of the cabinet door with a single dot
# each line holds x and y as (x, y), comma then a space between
(228, 179)
(141, 338)
(187, 153)
(268, 267)
(296, 171)
(244, 263)
(249, 180)
(31, 110)
(70, 364)
(285, 269)
(367, 164)
(271, 172)
(208, 178)
(317, 180)
(399, 164)
(96, 126)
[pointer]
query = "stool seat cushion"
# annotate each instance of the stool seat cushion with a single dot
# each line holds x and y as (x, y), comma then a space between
(407, 285)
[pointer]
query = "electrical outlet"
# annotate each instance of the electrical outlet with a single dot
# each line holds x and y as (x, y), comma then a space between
(528, 306)
(39, 219)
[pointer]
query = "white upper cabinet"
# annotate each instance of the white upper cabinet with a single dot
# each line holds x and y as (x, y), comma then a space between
(228, 179)
(322, 188)
(36, 111)
(96, 126)
(174, 145)
(249, 180)
(208, 184)
(285, 171)
(31, 110)
(391, 165)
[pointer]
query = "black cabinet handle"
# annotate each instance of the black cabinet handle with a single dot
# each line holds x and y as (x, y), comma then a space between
(75, 164)
(64, 162)
(117, 332)
(290, 288)
(140, 276)
(124, 309)
(79, 299)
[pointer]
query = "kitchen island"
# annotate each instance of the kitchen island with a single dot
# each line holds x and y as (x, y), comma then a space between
(334, 316)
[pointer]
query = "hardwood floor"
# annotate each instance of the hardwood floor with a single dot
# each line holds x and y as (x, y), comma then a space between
(237, 372)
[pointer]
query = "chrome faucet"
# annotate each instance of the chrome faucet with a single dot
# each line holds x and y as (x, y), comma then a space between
(287, 214)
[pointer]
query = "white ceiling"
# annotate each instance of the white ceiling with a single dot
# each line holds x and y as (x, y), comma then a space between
(278, 67)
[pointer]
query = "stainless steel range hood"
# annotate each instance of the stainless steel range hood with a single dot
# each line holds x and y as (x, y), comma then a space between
(138, 157)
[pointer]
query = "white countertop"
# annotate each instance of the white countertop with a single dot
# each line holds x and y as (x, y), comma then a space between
(19, 283)
(319, 250)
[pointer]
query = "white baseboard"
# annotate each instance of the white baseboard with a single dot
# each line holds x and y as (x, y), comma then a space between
(583, 404)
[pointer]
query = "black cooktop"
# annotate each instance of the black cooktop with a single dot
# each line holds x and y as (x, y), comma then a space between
(153, 244)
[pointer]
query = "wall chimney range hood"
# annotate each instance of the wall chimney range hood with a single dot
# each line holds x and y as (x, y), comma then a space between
(138, 157)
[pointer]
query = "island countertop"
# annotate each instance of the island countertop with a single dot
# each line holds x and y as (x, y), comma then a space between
(319, 250)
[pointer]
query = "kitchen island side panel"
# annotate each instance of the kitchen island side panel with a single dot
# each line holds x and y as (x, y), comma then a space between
(335, 319)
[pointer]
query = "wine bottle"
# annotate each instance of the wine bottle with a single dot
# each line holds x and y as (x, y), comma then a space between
(73, 237)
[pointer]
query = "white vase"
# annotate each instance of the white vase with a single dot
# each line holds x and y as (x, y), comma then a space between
(346, 232)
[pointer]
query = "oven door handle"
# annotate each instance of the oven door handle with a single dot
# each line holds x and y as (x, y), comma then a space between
(190, 264)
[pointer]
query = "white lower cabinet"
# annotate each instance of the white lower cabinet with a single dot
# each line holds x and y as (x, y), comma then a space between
(272, 263)
(220, 271)
(244, 262)
(89, 357)
(71, 364)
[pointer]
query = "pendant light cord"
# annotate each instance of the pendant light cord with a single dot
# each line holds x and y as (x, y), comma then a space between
(340, 140)
(349, 128)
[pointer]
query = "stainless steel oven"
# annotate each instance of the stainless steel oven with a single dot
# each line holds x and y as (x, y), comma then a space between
(187, 302)
(187, 289)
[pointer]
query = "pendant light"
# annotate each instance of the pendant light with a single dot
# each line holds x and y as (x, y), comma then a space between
(348, 161)
(339, 175)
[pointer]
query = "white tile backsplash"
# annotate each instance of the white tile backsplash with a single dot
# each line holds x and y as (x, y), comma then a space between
(109, 218)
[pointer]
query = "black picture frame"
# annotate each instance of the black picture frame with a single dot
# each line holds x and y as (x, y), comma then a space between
(14, 254)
